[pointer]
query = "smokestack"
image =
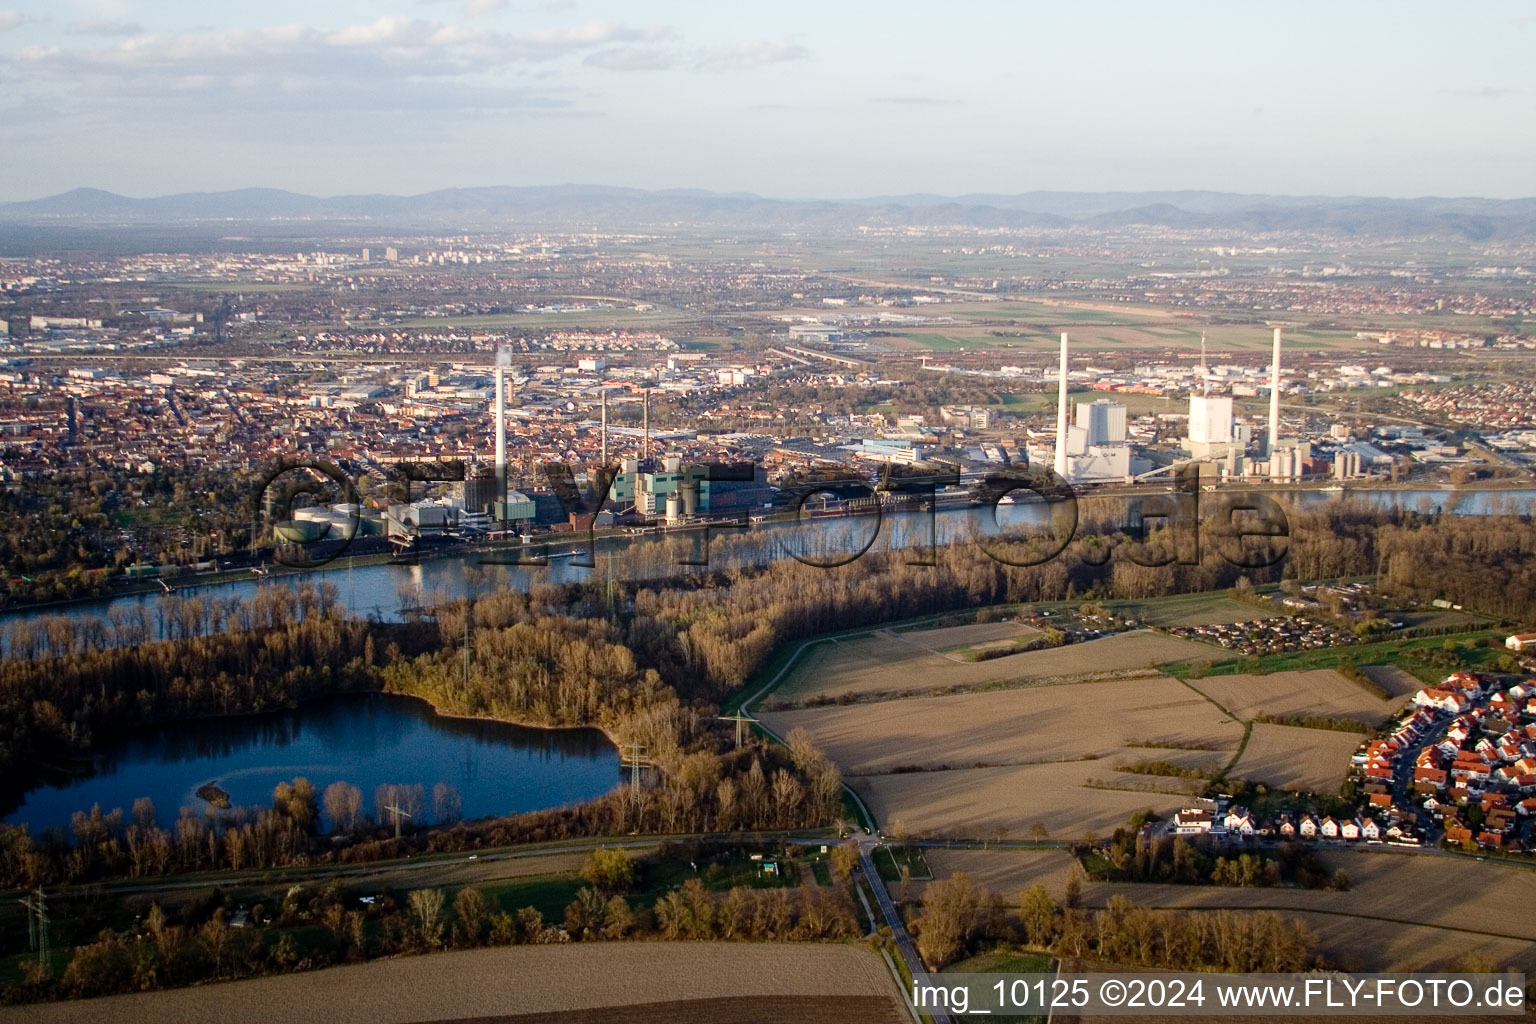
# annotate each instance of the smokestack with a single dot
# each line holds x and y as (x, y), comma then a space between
(645, 425)
(1061, 413)
(604, 463)
(501, 425)
(1274, 399)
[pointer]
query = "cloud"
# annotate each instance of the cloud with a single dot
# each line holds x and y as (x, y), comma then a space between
(394, 62)
(1484, 91)
(917, 101)
(593, 33)
(633, 58)
(105, 27)
(290, 55)
(753, 54)
(15, 19)
(732, 58)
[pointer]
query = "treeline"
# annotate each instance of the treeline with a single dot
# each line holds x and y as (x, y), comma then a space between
(1134, 856)
(168, 617)
(54, 709)
(957, 915)
(1332, 723)
(198, 943)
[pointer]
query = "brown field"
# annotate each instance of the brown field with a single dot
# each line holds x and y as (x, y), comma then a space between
(1418, 911)
(1022, 726)
(559, 983)
(1007, 872)
(977, 802)
(883, 662)
(1303, 760)
(1396, 681)
(946, 637)
(1313, 692)
(757, 1009)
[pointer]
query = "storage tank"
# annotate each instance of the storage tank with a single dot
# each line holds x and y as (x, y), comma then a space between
(300, 531)
(690, 494)
(674, 508)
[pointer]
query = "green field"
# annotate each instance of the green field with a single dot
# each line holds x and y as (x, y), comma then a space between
(1388, 652)
(1004, 961)
(649, 319)
(1189, 610)
(949, 343)
(889, 860)
(548, 894)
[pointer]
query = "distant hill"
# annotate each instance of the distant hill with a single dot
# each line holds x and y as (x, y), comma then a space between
(593, 206)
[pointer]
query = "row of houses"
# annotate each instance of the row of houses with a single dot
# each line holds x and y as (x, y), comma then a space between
(1239, 821)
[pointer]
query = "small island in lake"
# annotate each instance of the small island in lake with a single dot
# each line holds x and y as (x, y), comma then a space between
(211, 792)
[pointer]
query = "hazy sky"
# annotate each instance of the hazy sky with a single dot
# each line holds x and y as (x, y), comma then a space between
(787, 98)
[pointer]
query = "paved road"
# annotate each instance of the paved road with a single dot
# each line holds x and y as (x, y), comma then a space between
(904, 943)
(281, 876)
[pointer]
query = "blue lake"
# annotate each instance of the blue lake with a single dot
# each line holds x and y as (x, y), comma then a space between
(365, 739)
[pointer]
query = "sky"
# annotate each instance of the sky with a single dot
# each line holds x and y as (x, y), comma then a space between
(789, 99)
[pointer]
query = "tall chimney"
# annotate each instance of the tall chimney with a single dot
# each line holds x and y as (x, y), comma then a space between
(603, 465)
(1274, 401)
(1061, 413)
(645, 425)
(501, 425)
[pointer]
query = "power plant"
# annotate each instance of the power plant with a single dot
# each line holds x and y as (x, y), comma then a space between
(1095, 450)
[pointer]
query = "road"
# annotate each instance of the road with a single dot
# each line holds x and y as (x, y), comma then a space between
(289, 875)
(904, 943)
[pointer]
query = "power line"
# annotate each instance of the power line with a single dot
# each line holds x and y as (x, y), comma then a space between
(37, 925)
(635, 760)
(398, 812)
(739, 718)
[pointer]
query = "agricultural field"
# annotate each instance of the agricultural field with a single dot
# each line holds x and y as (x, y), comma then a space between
(885, 662)
(1398, 682)
(1093, 723)
(1208, 609)
(1017, 801)
(581, 983)
(1035, 326)
(1302, 760)
(1421, 911)
(949, 639)
(1310, 692)
(1399, 887)
(1009, 872)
